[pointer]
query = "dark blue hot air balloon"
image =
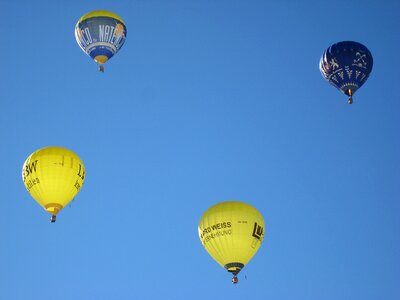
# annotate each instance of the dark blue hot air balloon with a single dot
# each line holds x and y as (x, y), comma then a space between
(346, 65)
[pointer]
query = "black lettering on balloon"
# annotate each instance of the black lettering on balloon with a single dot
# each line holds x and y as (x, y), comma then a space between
(81, 172)
(257, 231)
(29, 169)
(77, 185)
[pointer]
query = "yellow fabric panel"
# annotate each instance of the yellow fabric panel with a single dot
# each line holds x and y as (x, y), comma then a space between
(101, 13)
(53, 176)
(231, 232)
(101, 59)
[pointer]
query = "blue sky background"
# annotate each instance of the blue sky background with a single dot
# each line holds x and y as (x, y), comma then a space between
(207, 101)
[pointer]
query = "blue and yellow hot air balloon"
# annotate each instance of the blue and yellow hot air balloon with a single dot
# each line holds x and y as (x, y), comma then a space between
(100, 34)
(346, 65)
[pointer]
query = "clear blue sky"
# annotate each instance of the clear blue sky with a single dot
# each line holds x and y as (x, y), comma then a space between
(207, 101)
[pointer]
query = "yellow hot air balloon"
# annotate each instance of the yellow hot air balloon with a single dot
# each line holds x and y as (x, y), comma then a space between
(53, 176)
(231, 232)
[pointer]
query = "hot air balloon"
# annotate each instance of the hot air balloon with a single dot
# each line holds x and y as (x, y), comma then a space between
(53, 176)
(100, 34)
(231, 232)
(346, 66)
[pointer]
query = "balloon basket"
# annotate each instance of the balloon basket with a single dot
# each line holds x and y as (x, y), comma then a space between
(53, 218)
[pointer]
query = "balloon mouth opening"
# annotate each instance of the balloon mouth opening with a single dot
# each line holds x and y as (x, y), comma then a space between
(53, 208)
(234, 267)
(349, 89)
(101, 59)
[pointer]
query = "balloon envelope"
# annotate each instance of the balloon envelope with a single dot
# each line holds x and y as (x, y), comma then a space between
(100, 34)
(346, 65)
(231, 232)
(53, 176)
